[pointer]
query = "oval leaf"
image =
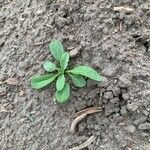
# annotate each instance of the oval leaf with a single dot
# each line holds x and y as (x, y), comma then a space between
(56, 48)
(60, 82)
(63, 95)
(49, 66)
(39, 81)
(78, 80)
(64, 60)
(87, 72)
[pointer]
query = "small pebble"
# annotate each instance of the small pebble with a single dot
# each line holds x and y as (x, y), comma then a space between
(146, 113)
(123, 111)
(125, 96)
(61, 22)
(116, 91)
(114, 100)
(103, 83)
(39, 12)
(108, 95)
(109, 109)
(131, 128)
(91, 83)
(140, 119)
(132, 107)
(82, 127)
(144, 126)
(73, 52)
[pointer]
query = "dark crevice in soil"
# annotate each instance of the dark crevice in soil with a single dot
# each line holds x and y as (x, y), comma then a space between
(146, 45)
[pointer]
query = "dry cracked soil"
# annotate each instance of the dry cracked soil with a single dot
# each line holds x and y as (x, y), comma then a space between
(116, 42)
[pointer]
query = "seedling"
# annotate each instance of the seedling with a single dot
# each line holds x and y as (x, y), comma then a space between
(60, 72)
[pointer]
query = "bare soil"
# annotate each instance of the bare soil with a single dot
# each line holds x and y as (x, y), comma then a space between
(116, 43)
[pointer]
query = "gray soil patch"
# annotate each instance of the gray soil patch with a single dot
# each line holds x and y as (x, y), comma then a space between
(117, 44)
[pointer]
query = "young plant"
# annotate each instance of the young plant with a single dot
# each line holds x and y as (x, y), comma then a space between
(60, 72)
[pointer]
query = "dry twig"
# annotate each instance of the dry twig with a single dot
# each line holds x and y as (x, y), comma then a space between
(2, 93)
(10, 81)
(85, 144)
(89, 110)
(127, 10)
(81, 115)
(75, 122)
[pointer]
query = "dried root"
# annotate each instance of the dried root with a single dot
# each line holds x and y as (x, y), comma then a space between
(41, 43)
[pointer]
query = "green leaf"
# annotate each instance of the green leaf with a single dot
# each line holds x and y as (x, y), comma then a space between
(60, 82)
(39, 81)
(78, 80)
(49, 66)
(64, 60)
(63, 95)
(56, 48)
(87, 72)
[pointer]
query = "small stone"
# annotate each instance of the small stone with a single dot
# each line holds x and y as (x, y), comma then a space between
(39, 12)
(3, 90)
(108, 95)
(145, 134)
(116, 91)
(124, 81)
(132, 107)
(93, 93)
(108, 70)
(73, 52)
(140, 120)
(9, 107)
(97, 133)
(109, 109)
(131, 128)
(103, 83)
(82, 127)
(81, 104)
(89, 122)
(91, 83)
(123, 111)
(124, 143)
(125, 96)
(87, 17)
(12, 81)
(121, 16)
(69, 20)
(144, 126)
(146, 113)
(21, 93)
(114, 100)
(97, 127)
(100, 102)
(61, 22)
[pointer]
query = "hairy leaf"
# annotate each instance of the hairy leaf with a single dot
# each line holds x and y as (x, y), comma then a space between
(60, 82)
(78, 80)
(87, 72)
(39, 81)
(63, 95)
(56, 48)
(64, 60)
(49, 66)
